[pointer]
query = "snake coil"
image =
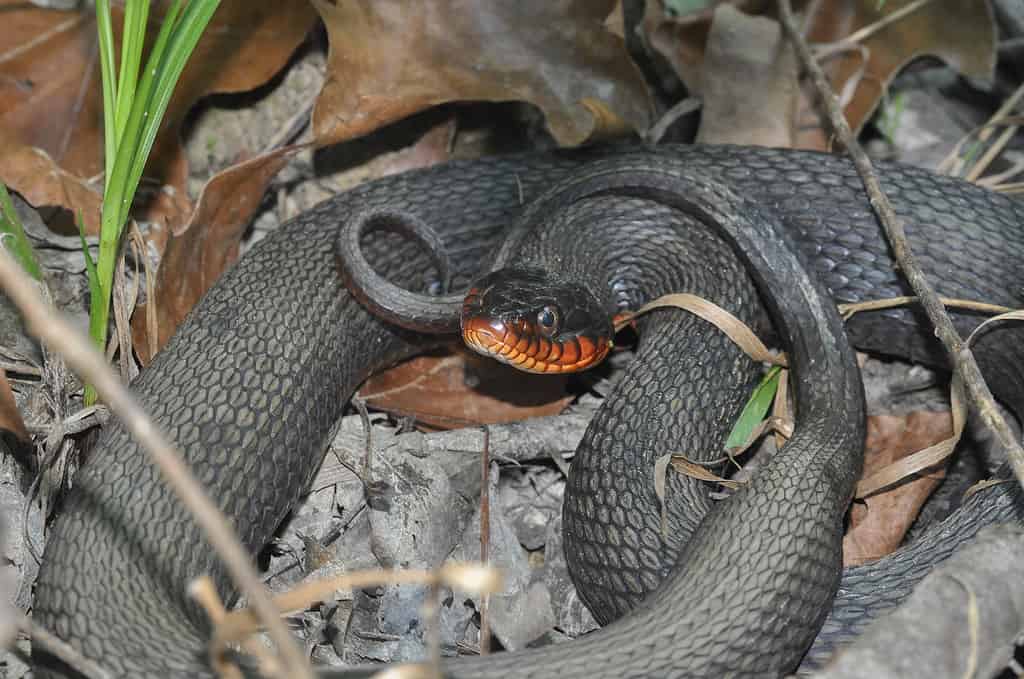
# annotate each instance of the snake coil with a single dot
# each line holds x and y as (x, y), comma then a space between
(249, 389)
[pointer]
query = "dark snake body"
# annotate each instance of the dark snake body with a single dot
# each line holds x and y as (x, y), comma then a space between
(253, 382)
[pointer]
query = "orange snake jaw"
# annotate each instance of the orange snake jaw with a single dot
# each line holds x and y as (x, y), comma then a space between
(520, 346)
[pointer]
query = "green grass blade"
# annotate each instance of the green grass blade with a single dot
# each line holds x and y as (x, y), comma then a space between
(105, 32)
(130, 147)
(90, 264)
(755, 409)
(12, 235)
(95, 293)
(120, 191)
(178, 35)
(182, 42)
(132, 40)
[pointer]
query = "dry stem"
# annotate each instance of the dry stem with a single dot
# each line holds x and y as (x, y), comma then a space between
(61, 649)
(81, 355)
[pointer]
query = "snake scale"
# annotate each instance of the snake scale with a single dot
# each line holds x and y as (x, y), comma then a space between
(252, 384)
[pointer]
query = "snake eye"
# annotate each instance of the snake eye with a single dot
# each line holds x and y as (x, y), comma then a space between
(547, 320)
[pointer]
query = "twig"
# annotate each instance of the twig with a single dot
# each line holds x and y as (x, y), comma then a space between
(485, 538)
(990, 154)
(80, 354)
(43, 38)
(963, 359)
(866, 32)
(953, 163)
(60, 649)
(360, 405)
(291, 129)
(205, 594)
(467, 577)
(680, 109)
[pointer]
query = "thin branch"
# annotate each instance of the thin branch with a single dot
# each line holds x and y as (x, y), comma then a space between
(680, 109)
(855, 39)
(485, 538)
(963, 360)
(81, 355)
(864, 33)
(60, 649)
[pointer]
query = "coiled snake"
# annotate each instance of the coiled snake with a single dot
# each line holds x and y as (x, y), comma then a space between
(252, 383)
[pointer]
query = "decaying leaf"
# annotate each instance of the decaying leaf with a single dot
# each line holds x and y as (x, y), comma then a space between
(750, 83)
(40, 180)
(451, 391)
(197, 254)
(49, 85)
(10, 416)
(879, 523)
(959, 32)
(390, 59)
(682, 38)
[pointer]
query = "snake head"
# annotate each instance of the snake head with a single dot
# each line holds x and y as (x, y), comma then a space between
(536, 321)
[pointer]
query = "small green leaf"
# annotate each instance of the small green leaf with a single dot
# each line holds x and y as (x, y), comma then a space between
(890, 116)
(90, 264)
(684, 7)
(92, 275)
(755, 410)
(12, 235)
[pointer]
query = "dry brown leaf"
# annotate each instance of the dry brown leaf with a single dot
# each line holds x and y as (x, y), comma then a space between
(879, 523)
(197, 254)
(10, 416)
(50, 93)
(749, 82)
(33, 173)
(391, 58)
(681, 40)
(960, 32)
(435, 390)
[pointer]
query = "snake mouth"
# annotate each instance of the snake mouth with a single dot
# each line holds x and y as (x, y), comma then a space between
(520, 345)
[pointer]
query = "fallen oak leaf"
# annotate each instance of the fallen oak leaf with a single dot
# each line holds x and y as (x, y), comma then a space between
(389, 59)
(14, 437)
(449, 391)
(10, 416)
(682, 38)
(960, 34)
(49, 84)
(41, 182)
(748, 60)
(878, 523)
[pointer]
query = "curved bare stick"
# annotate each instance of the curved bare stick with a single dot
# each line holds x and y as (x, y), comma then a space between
(81, 355)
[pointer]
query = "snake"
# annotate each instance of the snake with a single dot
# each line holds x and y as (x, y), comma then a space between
(252, 385)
